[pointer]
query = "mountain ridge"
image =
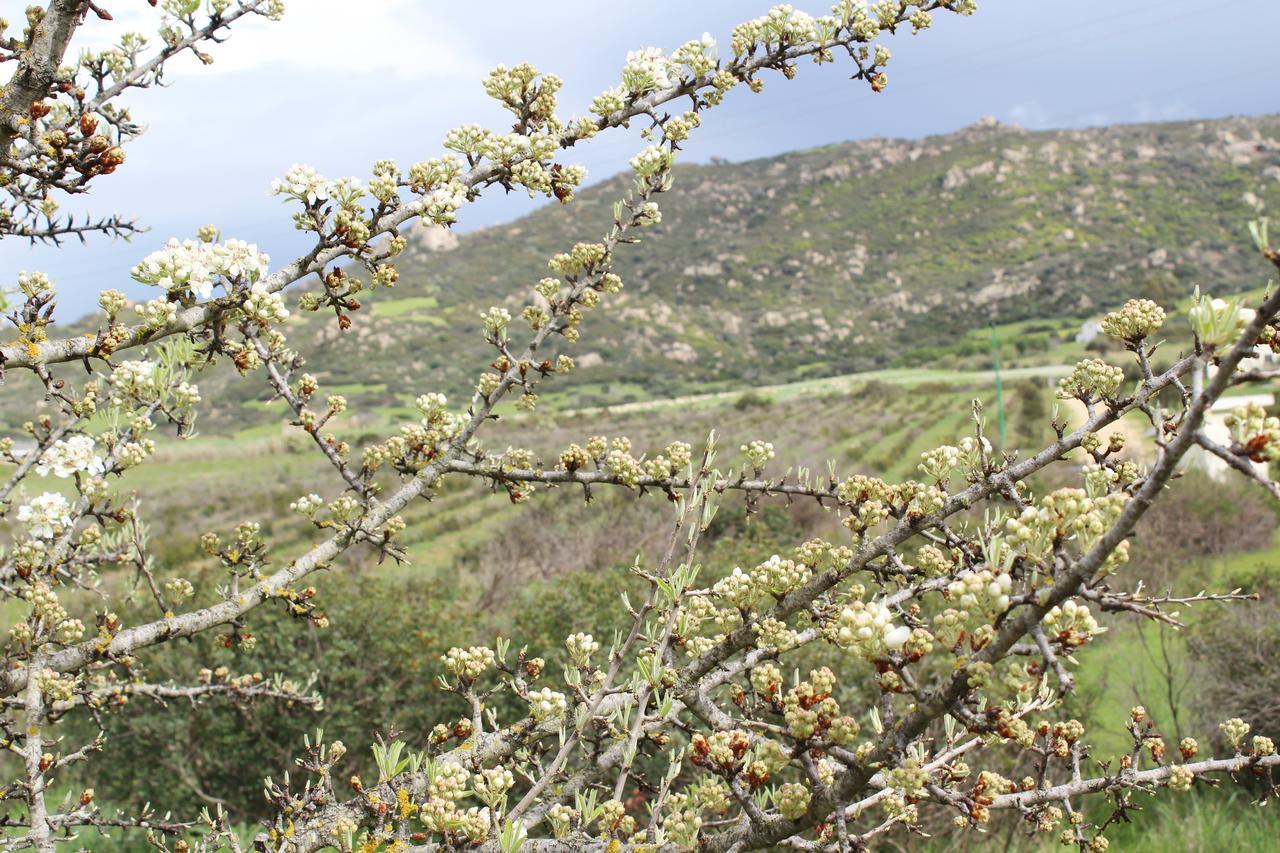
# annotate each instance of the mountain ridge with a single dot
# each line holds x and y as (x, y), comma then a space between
(853, 245)
(826, 261)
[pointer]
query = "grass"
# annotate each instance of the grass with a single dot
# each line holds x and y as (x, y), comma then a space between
(415, 305)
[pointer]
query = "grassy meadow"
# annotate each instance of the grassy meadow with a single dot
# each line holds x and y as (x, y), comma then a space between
(478, 565)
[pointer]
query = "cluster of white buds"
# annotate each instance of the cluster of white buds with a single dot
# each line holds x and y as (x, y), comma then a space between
(510, 148)
(698, 55)
(45, 605)
(758, 453)
(1072, 624)
(1235, 730)
(582, 258)
(681, 828)
(821, 554)
(1098, 479)
(112, 302)
(778, 577)
(710, 793)
(307, 505)
(910, 779)
(782, 24)
(179, 590)
(1137, 319)
(670, 462)
(432, 405)
(972, 451)
(809, 707)
(385, 181)
(1181, 778)
(157, 313)
(984, 591)
(561, 819)
(467, 139)
(737, 589)
(648, 214)
(920, 21)
(264, 307)
(416, 444)
(194, 267)
(1217, 322)
(922, 499)
(55, 687)
(440, 816)
(766, 679)
(725, 749)
(581, 647)
(1063, 514)
(1257, 433)
(33, 283)
(547, 704)
(449, 782)
(524, 91)
(348, 508)
(868, 499)
(46, 515)
(863, 489)
(68, 631)
(867, 628)
(792, 800)
(469, 663)
(1091, 379)
(933, 561)
(495, 323)
(648, 70)
(937, 464)
(492, 784)
(651, 161)
(440, 206)
(574, 458)
(625, 467)
(71, 456)
(773, 633)
(134, 453)
(435, 172)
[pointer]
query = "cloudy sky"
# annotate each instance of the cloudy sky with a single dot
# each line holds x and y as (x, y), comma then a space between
(338, 84)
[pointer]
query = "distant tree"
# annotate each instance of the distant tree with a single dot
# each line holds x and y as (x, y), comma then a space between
(1161, 287)
(686, 729)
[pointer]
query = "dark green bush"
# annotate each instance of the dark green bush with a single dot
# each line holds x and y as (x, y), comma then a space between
(376, 664)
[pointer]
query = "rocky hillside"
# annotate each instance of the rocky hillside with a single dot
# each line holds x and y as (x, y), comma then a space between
(835, 259)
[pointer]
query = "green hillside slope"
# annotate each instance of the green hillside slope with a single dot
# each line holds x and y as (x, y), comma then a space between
(864, 255)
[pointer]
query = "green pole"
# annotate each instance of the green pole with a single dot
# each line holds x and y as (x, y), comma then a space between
(995, 355)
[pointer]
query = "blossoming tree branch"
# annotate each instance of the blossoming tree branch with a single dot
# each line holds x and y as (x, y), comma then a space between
(957, 604)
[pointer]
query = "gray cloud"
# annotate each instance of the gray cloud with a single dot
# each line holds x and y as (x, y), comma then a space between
(339, 97)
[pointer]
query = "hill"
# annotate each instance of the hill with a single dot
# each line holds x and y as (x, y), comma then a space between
(871, 254)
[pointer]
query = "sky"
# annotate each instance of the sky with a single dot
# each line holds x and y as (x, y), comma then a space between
(339, 84)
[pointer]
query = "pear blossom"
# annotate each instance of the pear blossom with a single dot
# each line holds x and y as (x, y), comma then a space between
(136, 377)
(71, 456)
(195, 266)
(46, 515)
(648, 70)
(303, 183)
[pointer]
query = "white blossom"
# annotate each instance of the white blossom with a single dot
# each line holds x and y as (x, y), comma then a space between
(45, 515)
(71, 456)
(196, 266)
